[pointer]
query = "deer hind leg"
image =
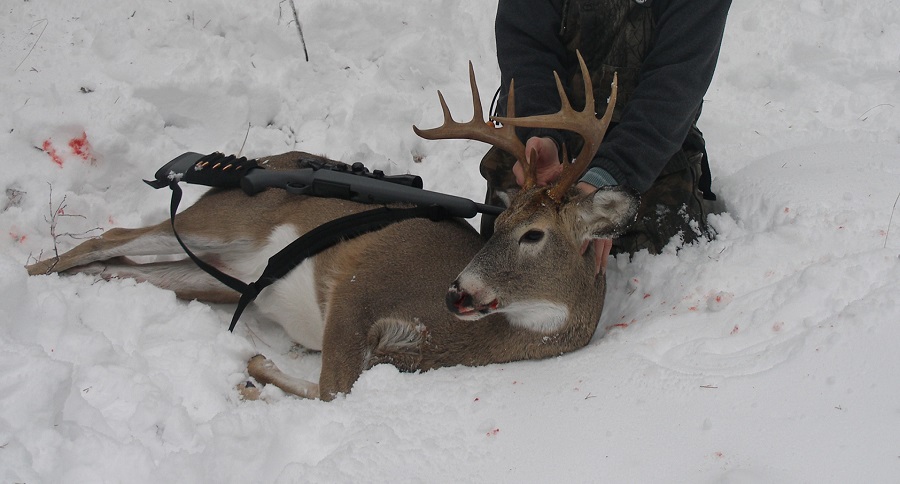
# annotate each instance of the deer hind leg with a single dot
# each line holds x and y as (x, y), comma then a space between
(183, 277)
(156, 240)
(107, 246)
(106, 256)
(117, 242)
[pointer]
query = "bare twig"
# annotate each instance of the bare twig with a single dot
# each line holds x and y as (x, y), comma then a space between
(53, 220)
(891, 221)
(46, 23)
(245, 140)
(863, 117)
(299, 29)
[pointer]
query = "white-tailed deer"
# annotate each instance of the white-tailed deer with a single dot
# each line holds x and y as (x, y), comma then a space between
(527, 293)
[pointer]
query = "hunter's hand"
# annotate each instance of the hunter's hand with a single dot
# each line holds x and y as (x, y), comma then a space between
(545, 154)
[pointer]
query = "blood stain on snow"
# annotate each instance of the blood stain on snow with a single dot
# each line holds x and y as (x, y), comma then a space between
(493, 432)
(778, 326)
(81, 147)
(19, 238)
(735, 330)
(48, 148)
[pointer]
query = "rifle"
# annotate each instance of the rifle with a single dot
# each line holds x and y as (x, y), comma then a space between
(348, 182)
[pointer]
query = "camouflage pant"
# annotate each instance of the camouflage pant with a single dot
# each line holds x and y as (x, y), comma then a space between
(673, 205)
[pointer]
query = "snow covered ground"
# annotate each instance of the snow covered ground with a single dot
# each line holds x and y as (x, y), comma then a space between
(767, 355)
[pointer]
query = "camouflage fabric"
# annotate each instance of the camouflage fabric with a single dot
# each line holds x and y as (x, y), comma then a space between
(496, 168)
(620, 33)
(673, 206)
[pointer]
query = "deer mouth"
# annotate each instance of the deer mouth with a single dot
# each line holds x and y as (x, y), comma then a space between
(475, 312)
(464, 305)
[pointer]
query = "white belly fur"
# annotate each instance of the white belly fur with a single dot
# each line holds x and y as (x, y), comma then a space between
(292, 302)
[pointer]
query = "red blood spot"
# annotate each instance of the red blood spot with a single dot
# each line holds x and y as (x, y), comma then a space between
(619, 325)
(19, 238)
(493, 432)
(646, 296)
(787, 210)
(718, 454)
(81, 147)
(735, 329)
(692, 308)
(778, 326)
(477, 399)
(48, 148)
(841, 227)
(111, 220)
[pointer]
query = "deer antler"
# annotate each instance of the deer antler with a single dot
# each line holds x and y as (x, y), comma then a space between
(584, 123)
(480, 130)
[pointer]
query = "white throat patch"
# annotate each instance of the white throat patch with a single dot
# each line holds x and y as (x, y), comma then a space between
(536, 315)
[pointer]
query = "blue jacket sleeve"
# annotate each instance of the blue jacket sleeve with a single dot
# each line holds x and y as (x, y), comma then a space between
(675, 76)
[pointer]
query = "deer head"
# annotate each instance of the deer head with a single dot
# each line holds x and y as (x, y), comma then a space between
(532, 269)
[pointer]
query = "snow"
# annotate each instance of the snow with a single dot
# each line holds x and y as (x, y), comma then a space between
(766, 355)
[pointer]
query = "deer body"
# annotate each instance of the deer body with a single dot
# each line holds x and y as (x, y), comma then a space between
(530, 292)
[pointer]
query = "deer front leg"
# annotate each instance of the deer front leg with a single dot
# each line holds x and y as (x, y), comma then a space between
(344, 352)
(265, 372)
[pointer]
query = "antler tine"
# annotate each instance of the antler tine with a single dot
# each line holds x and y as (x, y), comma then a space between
(529, 168)
(476, 129)
(583, 122)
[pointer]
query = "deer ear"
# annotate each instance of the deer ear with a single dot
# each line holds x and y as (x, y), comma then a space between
(608, 212)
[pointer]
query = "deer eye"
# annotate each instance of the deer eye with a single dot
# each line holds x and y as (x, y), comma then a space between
(531, 237)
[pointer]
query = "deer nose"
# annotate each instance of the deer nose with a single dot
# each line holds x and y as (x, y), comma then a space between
(458, 301)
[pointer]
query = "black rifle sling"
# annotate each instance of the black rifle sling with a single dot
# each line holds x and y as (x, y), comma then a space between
(307, 245)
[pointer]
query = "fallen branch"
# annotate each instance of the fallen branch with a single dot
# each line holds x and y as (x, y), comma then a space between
(46, 23)
(299, 29)
(890, 222)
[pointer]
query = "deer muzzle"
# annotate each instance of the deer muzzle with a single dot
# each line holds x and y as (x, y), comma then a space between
(466, 305)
